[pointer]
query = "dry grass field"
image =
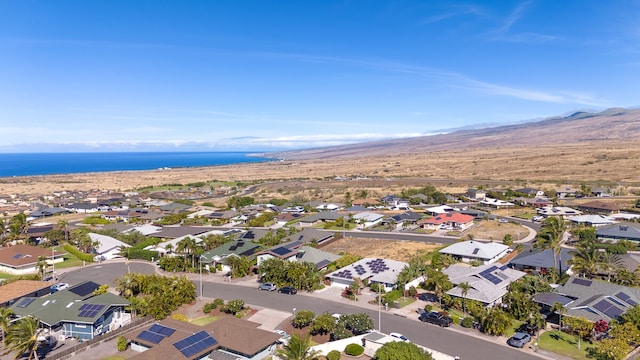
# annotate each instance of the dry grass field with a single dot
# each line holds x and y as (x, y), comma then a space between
(388, 249)
(494, 230)
(545, 167)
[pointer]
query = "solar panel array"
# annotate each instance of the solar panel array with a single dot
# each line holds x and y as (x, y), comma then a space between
(345, 274)
(84, 289)
(195, 343)
(249, 235)
(281, 251)
(583, 282)
(504, 267)
(377, 266)
(359, 269)
(487, 274)
(90, 310)
(17, 256)
(25, 302)
(626, 298)
(608, 309)
(156, 333)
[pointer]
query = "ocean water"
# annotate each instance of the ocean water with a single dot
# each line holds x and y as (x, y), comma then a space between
(26, 164)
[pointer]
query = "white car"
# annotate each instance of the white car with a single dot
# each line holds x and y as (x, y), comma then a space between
(399, 336)
(59, 287)
(284, 337)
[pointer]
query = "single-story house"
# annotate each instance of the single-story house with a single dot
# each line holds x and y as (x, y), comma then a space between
(591, 220)
(626, 231)
(238, 248)
(450, 220)
(601, 192)
(11, 292)
(381, 271)
(317, 218)
(539, 261)
(367, 218)
(84, 208)
(496, 203)
(75, 312)
(227, 338)
(562, 211)
(310, 236)
(22, 259)
(404, 219)
(297, 251)
(592, 299)
(489, 283)
(437, 210)
(473, 250)
(108, 248)
(530, 192)
(536, 202)
(174, 232)
(566, 191)
(599, 207)
(45, 212)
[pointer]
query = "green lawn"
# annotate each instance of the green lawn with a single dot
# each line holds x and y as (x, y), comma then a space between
(563, 344)
(115, 357)
(6, 276)
(203, 320)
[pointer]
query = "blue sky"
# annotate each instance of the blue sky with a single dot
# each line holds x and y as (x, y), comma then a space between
(265, 75)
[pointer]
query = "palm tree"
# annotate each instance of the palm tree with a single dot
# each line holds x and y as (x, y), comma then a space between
(550, 237)
(559, 309)
(298, 348)
(41, 265)
(609, 262)
(17, 226)
(464, 289)
(22, 337)
(585, 259)
(625, 277)
(64, 226)
(439, 282)
(5, 315)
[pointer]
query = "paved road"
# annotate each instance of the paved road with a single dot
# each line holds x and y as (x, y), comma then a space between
(448, 341)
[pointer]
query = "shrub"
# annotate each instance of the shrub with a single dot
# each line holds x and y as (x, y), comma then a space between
(303, 318)
(428, 308)
(123, 343)
(333, 355)
(79, 254)
(233, 307)
(354, 349)
(456, 319)
(180, 317)
(467, 322)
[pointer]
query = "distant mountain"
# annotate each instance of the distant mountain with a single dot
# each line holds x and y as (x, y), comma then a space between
(616, 124)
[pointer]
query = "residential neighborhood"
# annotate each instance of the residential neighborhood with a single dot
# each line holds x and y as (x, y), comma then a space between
(473, 273)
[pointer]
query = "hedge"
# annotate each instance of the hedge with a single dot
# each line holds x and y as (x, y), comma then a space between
(354, 349)
(79, 254)
(334, 355)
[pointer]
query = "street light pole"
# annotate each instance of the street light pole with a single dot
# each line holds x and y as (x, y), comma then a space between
(53, 264)
(379, 304)
(200, 262)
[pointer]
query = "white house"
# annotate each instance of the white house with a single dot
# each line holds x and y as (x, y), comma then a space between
(489, 283)
(473, 250)
(108, 247)
(368, 218)
(381, 271)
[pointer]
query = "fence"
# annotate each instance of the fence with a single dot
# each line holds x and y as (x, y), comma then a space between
(64, 354)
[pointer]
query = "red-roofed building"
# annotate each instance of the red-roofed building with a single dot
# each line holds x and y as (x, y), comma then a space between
(22, 259)
(450, 220)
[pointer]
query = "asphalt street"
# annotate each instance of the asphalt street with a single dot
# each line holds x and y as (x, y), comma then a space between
(444, 340)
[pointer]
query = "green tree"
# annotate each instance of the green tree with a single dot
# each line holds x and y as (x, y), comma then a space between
(240, 265)
(5, 316)
(400, 350)
(358, 323)
(625, 277)
(580, 326)
(323, 324)
(464, 290)
(22, 337)
(438, 282)
(18, 226)
(559, 309)
(302, 318)
(550, 237)
(495, 321)
(347, 259)
(585, 259)
(298, 348)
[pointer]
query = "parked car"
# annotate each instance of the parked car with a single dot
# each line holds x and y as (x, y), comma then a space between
(267, 287)
(58, 287)
(439, 318)
(519, 339)
(288, 290)
(284, 337)
(399, 336)
(503, 220)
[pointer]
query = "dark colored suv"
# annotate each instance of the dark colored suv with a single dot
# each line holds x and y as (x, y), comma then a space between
(288, 290)
(438, 318)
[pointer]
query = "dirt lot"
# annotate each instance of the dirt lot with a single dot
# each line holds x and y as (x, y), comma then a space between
(494, 230)
(388, 249)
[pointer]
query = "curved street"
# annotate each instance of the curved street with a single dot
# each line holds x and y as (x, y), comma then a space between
(467, 344)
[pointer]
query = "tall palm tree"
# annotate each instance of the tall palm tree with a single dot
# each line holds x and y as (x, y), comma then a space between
(18, 226)
(298, 348)
(64, 226)
(550, 237)
(559, 309)
(22, 337)
(5, 315)
(439, 282)
(464, 289)
(625, 277)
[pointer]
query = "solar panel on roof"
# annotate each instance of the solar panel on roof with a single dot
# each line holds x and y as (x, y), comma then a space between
(475, 251)
(608, 309)
(25, 302)
(195, 343)
(504, 267)
(249, 235)
(150, 337)
(162, 330)
(583, 282)
(84, 289)
(281, 251)
(83, 306)
(322, 264)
